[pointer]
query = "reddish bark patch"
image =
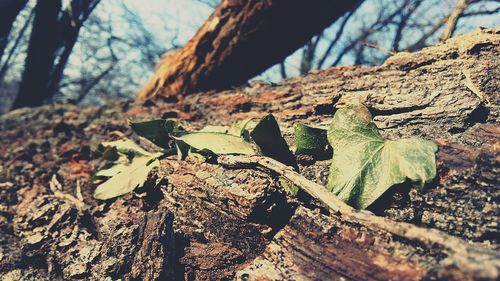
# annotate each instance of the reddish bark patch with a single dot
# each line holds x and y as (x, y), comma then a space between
(269, 97)
(245, 115)
(295, 113)
(233, 102)
(76, 169)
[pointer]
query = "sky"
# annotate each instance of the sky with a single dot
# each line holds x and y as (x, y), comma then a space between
(185, 15)
(188, 15)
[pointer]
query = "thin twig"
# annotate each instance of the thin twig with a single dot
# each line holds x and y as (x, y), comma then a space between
(12, 51)
(378, 47)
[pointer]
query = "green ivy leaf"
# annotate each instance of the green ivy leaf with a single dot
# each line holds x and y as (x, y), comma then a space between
(214, 129)
(267, 136)
(364, 165)
(217, 143)
(114, 169)
(312, 141)
(238, 128)
(110, 154)
(126, 146)
(157, 131)
(126, 178)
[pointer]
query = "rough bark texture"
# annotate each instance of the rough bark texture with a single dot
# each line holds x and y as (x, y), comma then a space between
(240, 40)
(200, 221)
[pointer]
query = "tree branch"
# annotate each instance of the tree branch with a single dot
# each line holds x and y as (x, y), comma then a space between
(337, 37)
(402, 24)
(451, 23)
(12, 51)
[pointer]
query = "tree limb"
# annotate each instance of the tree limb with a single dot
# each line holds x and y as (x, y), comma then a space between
(233, 44)
(451, 23)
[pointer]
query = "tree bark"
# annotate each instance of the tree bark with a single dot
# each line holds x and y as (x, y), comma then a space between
(201, 221)
(240, 40)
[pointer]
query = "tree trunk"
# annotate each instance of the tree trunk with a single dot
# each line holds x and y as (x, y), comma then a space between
(201, 221)
(41, 55)
(9, 9)
(240, 40)
(54, 35)
(71, 22)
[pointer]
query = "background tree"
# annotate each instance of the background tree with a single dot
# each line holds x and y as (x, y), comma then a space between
(380, 28)
(108, 59)
(117, 50)
(9, 9)
(54, 34)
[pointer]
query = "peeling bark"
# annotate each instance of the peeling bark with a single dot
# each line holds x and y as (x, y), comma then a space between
(200, 221)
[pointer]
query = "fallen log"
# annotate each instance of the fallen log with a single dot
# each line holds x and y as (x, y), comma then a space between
(238, 41)
(199, 221)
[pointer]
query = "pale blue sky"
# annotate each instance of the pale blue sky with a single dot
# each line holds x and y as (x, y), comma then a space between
(188, 15)
(180, 19)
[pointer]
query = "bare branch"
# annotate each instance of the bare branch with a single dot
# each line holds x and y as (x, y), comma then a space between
(309, 51)
(339, 33)
(380, 23)
(481, 13)
(451, 23)
(13, 49)
(378, 47)
(283, 70)
(419, 44)
(402, 24)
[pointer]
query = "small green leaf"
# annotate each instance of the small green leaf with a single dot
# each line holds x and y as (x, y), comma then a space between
(289, 187)
(364, 165)
(113, 170)
(127, 178)
(312, 141)
(110, 154)
(218, 143)
(157, 131)
(267, 136)
(238, 128)
(126, 146)
(214, 129)
(182, 150)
